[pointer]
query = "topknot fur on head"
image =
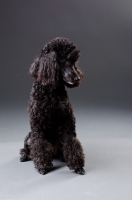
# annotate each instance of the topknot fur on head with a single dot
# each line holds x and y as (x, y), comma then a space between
(64, 48)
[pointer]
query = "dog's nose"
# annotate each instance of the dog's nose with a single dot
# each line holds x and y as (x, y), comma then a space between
(77, 78)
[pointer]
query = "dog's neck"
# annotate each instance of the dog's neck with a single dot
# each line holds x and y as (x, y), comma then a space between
(40, 91)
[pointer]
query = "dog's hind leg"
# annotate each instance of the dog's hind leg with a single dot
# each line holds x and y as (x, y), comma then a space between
(25, 152)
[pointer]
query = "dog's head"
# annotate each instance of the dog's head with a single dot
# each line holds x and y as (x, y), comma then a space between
(56, 64)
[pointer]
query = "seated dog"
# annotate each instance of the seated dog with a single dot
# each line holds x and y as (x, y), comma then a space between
(52, 121)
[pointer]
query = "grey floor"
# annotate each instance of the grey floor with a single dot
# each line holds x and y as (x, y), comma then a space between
(105, 134)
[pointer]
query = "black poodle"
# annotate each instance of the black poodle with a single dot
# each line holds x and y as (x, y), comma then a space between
(52, 121)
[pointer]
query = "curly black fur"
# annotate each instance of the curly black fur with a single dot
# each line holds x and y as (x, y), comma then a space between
(51, 116)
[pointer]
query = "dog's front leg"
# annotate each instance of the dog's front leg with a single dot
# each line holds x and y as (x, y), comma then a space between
(73, 154)
(41, 154)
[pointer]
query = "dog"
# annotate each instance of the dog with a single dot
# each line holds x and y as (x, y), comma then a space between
(52, 122)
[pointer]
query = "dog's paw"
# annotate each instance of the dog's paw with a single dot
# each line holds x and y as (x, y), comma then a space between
(24, 158)
(45, 170)
(80, 171)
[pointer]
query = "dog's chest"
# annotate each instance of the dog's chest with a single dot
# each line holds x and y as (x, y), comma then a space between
(55, 107)
(50, 105)
(54, 102)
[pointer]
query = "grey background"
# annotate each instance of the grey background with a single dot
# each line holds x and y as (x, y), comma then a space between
(102, 31)
(102, 104)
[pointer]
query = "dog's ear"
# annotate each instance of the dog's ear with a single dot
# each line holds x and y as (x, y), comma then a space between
(45, 69)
